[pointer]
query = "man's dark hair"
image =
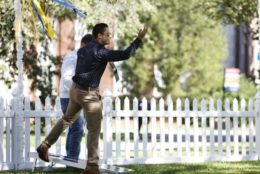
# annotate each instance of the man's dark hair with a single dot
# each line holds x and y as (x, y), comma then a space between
(99, 29)
(87, 38)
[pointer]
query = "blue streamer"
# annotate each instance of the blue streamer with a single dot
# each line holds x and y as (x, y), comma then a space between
(39, 17)
(70, 7)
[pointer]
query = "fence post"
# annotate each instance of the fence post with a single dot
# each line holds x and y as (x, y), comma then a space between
(18, 127)
(107, 115)
(257, 119)
(18, 133)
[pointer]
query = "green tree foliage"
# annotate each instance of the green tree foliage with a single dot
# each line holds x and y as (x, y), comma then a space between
(185, 41)
(187, 46)
(138, 76)
(238, 12)
(32, 35)
(247, 89)
(123, 18)
(230, 11)
(7, 44)
(41, 75)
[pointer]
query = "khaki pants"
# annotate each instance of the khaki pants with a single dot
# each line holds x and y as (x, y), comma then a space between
(90, 102)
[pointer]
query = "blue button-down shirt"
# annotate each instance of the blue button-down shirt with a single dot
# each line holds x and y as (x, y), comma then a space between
(92, 61)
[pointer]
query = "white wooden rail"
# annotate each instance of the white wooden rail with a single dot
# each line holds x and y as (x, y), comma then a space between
(172, 130)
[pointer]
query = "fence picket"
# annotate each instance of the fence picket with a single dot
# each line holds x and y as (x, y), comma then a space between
(27, 108)
(257, 122)
(118, 128)
(235, 108)
(107, 137)
(47, 119)
(243, 126)
(211, 125)
(227, 109)
(154, 128)
(145, 128)
(251, 128)
(136, 130)
(220, 142)
(162, 128)
(38, 107)
(57, 108)
(127, 128)
(1, 131)
(195, 127)
(179, 128)
(170, 125)
(204, 125)
(187, 126)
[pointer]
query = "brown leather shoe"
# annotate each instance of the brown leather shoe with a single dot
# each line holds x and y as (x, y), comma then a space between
(43, 151)
(91, 170)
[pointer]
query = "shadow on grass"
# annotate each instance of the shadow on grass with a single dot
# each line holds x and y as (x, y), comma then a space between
(245, 167)
(250, 167)
(45, 171)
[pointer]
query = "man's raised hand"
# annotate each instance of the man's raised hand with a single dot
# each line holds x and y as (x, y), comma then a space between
(142, 32)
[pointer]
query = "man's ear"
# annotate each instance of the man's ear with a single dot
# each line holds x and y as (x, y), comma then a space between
(99, 35)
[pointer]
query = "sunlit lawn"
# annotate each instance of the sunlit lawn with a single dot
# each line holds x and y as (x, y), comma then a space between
(246, 167)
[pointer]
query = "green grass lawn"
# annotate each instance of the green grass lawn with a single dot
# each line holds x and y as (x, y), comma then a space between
(246, 167)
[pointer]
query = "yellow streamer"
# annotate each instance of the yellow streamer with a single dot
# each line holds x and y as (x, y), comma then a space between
(45, 19)
(33, 19)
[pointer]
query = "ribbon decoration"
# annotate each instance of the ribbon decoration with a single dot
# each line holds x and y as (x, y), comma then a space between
(69, 6)
(33, 19)
(18, 22)
(44, 19)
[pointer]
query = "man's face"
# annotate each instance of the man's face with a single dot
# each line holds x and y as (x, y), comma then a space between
(105, 37)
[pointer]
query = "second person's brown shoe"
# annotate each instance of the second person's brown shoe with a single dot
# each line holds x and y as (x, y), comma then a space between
(91, 170)
(43, 151)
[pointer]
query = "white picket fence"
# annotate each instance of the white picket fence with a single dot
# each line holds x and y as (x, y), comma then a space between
(172, 131)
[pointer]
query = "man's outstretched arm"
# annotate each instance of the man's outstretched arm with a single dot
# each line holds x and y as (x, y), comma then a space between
(117, 55)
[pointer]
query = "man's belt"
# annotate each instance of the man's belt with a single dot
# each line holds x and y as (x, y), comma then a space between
(86, 88)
